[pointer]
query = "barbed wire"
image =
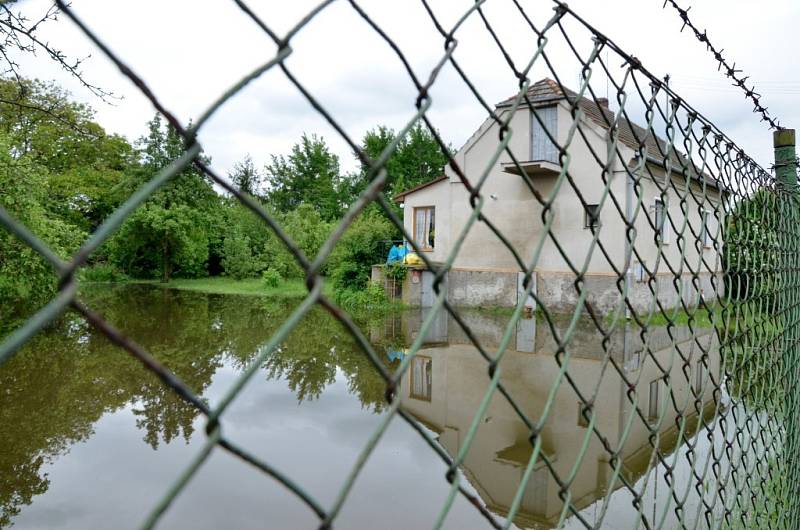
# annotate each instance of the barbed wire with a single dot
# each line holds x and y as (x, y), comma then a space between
(728, 69)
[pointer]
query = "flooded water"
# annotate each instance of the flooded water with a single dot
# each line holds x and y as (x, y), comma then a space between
(91, 439)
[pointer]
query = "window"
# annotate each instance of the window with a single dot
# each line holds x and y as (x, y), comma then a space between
(639, 273)
(652, 409)
(661, 220)
(582, 421)
(542, 148)
(698, 380)
(591, 216)
(705, 228)
(421, 378)
(424, 226)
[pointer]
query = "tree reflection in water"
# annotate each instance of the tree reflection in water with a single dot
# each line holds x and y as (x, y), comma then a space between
(67, 378)
(63, 382)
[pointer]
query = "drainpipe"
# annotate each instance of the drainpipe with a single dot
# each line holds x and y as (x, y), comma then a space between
(628, 221)
(628, 249)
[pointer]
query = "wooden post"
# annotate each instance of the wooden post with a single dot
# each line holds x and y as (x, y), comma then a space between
(789, 311)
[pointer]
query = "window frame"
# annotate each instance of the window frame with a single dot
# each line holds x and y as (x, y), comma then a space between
(534, 123)
(664, 235)
(582, 421)
(705, 232)
(653, 405)
(426, 372)
(423, 244)
(587, 224)
(699, 378)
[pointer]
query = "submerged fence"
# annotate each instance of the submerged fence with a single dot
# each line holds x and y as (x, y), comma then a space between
(677, 230)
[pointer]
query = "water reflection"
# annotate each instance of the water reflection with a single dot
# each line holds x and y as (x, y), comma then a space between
(448, 379)
(56, 389)
(65, 396)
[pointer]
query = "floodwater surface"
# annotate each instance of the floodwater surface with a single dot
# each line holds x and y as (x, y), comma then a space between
(92, 439)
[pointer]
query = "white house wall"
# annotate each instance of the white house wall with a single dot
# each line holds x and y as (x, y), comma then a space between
(437, 195)
(514, 211)
(518, 215)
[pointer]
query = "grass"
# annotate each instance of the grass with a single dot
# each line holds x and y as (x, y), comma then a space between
(224, 285)
(700, 316)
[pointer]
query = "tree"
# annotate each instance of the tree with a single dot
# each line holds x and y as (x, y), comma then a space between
(18, 33)
(418, 157)
(752, 249)
(84, 163)
(310, 174)
(238, 260)
(25, 277)
(171, 232)
(361, 246)
(245, 176)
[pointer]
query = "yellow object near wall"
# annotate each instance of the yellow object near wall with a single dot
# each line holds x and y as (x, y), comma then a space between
(412, 258)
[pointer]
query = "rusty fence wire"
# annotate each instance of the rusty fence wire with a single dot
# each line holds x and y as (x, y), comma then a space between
(687, 240)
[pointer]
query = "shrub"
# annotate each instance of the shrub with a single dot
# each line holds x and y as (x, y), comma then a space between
(361, 246)
(271, 278)
(102, 272)
(396, 271)
(237, 257)
(371, 298)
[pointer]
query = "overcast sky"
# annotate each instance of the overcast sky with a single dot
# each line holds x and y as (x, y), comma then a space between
(189, 52)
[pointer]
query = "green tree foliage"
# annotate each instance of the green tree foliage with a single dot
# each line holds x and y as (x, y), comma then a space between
(238, 259)
(246, 177)
(310, 174)
(752, 248)
(173, 230)
(63, 175)
(85, 164)
(417, 159)
(25, 278)
(249, 236)
(361, 246)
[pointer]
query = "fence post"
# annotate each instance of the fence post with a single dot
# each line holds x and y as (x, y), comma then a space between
(786, 174)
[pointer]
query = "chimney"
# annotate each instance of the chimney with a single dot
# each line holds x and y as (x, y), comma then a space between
(603, 102)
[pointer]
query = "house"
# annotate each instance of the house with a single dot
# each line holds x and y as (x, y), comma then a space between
(674, 208)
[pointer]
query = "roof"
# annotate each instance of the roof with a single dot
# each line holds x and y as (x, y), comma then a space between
(630, 134)
(400, 197)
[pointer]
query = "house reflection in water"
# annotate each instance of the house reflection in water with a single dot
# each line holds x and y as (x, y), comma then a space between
(447, 379)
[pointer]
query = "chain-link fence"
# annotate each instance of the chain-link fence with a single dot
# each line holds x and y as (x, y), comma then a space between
(638, 214)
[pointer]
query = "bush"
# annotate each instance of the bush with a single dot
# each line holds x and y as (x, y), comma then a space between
(371, 298)
(396, 271)
(102, 272)
(238, 261)
(271, 278)
(361, 246)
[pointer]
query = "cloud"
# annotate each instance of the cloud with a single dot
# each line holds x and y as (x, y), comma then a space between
(190, 55)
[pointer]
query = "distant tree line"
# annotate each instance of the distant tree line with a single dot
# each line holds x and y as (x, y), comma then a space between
(62, 174)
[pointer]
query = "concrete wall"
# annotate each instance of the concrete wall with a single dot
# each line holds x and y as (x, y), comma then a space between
(684, 250)
(557, 291)
(477, 289)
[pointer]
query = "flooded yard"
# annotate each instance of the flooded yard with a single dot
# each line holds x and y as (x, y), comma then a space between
(91, 439)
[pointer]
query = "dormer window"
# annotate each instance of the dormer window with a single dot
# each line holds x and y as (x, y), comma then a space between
(542, 148)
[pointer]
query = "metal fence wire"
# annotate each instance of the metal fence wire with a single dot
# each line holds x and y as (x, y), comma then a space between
(710, 258)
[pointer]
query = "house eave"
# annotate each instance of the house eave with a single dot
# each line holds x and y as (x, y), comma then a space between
(532, 168)
(401, 197)
(700, 179)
